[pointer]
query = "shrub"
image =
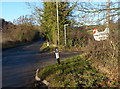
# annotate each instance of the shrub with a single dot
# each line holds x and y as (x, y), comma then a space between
(78, 38)
(105, 54)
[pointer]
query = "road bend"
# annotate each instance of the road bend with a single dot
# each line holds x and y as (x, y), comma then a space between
(19, 64)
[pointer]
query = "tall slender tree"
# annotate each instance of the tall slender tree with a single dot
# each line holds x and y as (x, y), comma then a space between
(47, 17)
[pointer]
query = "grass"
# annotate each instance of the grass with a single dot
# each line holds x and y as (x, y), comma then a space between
(75, 72)
(61, 48)
(45, 48)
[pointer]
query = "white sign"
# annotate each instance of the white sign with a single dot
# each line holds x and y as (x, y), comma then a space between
(48, 44)
(98, 36)
(57, 55)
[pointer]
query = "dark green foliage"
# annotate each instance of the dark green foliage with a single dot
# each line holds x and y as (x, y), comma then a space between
(64, 14)
(48, 20)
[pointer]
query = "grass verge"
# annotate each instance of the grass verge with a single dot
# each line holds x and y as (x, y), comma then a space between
(61, 48)
(75, 72)
(9, 45)
(45, 48)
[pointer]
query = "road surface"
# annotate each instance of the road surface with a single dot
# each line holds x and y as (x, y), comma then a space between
(19, 64)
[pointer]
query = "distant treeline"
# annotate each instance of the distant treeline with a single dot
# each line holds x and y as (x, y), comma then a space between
(14, 33)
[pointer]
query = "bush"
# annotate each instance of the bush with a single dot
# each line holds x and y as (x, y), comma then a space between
(105, 54)
(78, 38)
(21, 32)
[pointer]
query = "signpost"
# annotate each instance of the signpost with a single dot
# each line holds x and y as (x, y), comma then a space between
(56, 48)
(57, 55)
(48, 44)
(57, 21)
(65, 32)
(98, 36)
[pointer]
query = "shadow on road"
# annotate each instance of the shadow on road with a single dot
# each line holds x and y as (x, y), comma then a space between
(19, 64)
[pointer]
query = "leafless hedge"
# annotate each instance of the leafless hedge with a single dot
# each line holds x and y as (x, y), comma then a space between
(105, 53)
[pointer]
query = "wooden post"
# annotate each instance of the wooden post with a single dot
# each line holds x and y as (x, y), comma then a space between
(57, 22)
(65, 33)
(108, 13)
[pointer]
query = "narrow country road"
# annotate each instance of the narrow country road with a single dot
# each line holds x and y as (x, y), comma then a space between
(19, 64)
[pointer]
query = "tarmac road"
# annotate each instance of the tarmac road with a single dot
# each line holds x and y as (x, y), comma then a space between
(19, 64)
